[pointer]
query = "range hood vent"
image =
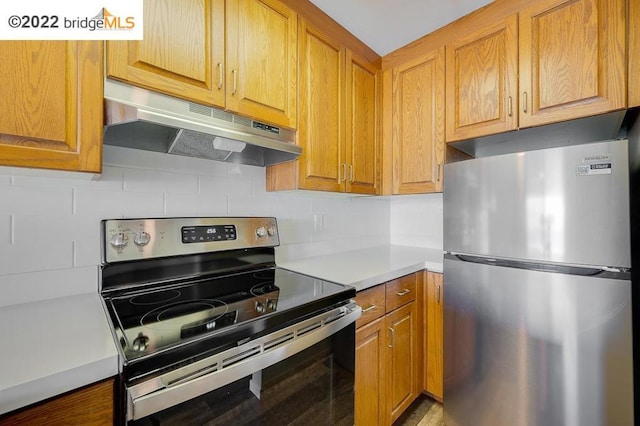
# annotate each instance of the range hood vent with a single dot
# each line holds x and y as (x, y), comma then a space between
(142, 119)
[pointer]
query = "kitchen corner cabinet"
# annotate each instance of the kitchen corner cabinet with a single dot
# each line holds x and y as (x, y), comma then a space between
(555, 60)
(240, 56)
(418, 124)
(387, 351)
(91, 405)
(51, 103)
(337, 123)
(433, 342)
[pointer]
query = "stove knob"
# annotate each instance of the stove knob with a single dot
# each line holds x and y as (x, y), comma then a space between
(271, 231)
(140, 343)
(259, 307)
(261, 232)
(119, 241)
(271, 305)
(141, 238)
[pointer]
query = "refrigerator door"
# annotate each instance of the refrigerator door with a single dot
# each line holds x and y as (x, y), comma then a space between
(528, 347)
(562, 205)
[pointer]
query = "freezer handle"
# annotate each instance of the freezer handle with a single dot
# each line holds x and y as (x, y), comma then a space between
(598, 272)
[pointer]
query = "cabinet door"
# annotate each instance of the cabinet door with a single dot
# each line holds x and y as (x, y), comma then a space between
(170, 59)
(361, 125)
(433, 377)
(402, 359)
(261, 60)
(572, 59)
(321, 129)
(418, 124)
(482, 79)
(370, 387)
(51, 103)
(91, 405)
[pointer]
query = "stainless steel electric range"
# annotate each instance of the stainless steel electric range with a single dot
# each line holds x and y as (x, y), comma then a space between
(210, 330)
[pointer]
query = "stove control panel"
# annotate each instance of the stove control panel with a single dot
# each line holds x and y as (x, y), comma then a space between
(163, 237)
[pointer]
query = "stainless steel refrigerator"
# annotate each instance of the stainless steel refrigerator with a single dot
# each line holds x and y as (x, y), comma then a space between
(537, 302)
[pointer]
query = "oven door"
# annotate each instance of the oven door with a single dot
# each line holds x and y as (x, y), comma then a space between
(302, 374)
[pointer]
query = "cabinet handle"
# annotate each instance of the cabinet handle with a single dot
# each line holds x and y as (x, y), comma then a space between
(350, 172)
(439, 170)
(509, 106)
(403, 292)
(393, 336)
(220, 75)
(344, 173)
(235, 82)
(370, 308)
(524, 102)
(438, 294)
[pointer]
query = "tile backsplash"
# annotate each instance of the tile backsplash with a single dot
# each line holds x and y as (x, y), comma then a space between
(49, 223)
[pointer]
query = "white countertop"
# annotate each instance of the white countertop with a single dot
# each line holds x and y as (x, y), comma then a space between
(368, 267)
(53, 346)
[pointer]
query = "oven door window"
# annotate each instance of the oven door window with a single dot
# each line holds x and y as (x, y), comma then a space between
(312, 387)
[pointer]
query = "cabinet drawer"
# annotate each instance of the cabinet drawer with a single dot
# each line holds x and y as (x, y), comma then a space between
(373, 304)
(400, 291)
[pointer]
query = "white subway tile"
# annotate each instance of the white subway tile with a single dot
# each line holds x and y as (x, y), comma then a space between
(29, 200)
(221, 186)
(115, 205)
(253, 172)
(138, 180)
(5, 179)
(251, 206)
(86, 241)
(194, 205)
(5, 229)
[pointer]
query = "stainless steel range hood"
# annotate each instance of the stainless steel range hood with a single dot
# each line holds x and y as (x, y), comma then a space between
(142, 119)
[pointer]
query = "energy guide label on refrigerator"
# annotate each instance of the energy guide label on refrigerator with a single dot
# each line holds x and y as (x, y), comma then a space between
(595, 165)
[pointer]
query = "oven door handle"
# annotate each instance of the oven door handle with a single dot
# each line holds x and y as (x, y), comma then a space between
(214, 372)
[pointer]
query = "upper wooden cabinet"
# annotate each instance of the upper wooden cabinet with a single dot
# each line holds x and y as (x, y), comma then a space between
(482, 81)
(257, 75)
(572, 59)
(261, 60)
(361, 123)
(555, 60)
(188, 64)
(51, 103)
(418, 123)
(338, 120)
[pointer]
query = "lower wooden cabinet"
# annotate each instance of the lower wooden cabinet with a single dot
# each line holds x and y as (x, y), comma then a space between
(388, 349)
(433, 298)
(402, 359)
(370, 386)
(91, 405)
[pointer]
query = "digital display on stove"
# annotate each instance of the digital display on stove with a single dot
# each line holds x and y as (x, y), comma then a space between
(208, 233)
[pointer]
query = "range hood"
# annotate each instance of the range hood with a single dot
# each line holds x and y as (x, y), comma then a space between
(142, 119)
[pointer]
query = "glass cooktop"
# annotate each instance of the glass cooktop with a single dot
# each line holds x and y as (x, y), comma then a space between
(156, 320)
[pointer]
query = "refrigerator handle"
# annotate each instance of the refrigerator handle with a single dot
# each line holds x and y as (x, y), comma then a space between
(594, 271)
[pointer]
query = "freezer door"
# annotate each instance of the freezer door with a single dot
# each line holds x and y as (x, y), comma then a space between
(529, 348)
(565, 205)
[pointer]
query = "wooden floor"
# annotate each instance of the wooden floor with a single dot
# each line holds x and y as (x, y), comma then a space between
(423, 412)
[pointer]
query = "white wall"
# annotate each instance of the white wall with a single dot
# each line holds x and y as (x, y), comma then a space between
(416, 220)
(49, 222)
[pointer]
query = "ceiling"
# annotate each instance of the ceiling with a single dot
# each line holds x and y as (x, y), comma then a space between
(386, 25)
